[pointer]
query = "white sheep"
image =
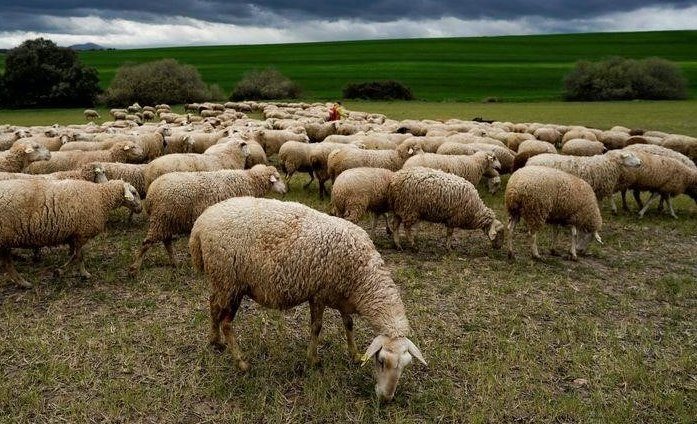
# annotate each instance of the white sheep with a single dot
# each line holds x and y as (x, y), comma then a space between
(360, 190)
(282, 254)
(22, 154)
(427, 194)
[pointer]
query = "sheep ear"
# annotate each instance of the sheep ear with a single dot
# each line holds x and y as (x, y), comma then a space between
(127, 193)
(494, 229)
(415, 352)
(375, 346)
(410, 151)
(126, 147)
(273, 179)
(29, 150)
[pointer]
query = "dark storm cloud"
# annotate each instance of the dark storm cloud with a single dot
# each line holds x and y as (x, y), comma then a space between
(29, 15)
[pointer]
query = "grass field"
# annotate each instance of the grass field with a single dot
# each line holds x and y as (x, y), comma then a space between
(610, 338)
(512, 68)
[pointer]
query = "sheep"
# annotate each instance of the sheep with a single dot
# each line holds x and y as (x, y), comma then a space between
(294, 156)
(7, 140)
(124, 151)
(341, 160)
(470, 167)
(87, 146)
(202, 141)
(39, 213)
(579, 133)
(21, 155)
(250, 247)
(272, 140)
(154, 144)
(51, 142)
(513, 140)
(530, 148)
(548, 134)
(359, 190)
(542, 195)
(661, 175)
(318, 132)
(505, 155)
(92, 172)
(428, 194)
(229, 155)
(683, 144)
(91, 114)
(319, 157)
(176, 199)
(613, 139)
(148, 115)
(256, 155)
(583, 147)
(603, 172)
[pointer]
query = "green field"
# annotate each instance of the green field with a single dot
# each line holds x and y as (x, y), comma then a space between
(511, 68)
(610, 338)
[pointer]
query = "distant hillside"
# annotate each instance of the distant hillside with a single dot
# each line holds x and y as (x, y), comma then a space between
(510, 68)
(87, 46)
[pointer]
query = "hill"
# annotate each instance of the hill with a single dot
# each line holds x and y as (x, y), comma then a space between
(86, 46)
(511, 68)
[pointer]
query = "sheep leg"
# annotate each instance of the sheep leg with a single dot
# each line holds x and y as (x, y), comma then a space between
(648, 203)
(316, 313)
(81, 262)
(625, 206)
(228, 315)
(8, 266)
(36, 255)
(574, 241)
(289, 175)
(670, 207)
(449, 238)
(553, 244)
(350, 342)
(138, 261)
(409, 234)
(373, 225)
(660, 203)
(637, 198)
(217, 314)
(388, 229)
(613, 206)
(535, 251)
(322, 188)
(512, 222)
(312, 178)
(170, 252)
(396, 221)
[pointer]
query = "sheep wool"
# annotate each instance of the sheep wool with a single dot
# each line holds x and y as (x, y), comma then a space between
(542, 195)
(22, 154)
(55, 213)
(176, 199)
(427, 194)
(360, 190)
(469, 167)
(250, 247)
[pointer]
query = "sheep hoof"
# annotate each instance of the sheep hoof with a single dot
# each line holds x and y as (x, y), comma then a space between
(217, 346)
(537, 257)
(574, 258)
(243, 366)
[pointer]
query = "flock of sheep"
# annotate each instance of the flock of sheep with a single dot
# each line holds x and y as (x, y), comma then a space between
(206, 172)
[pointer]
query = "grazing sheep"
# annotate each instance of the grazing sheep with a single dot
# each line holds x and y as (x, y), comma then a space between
(124, 151)
(542, 195)
(548, 134)
(39, 213)
(256, 155)
(272, 140)
(294, 156)
(229, 155)
(583, 147)
(360, 190)
(91, 114)
(340, 161)
(319, 156)
(470, 167)
(250, 247)
(530, 148)
(436, 196)
(318, 132)
(176, 199)
(21, 155)
(603, 172)
(505, 155)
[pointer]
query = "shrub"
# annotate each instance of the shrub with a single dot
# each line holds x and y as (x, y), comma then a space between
(378, 90)
(162, 81)
(625, 79)
(38, 73)
(266, 84)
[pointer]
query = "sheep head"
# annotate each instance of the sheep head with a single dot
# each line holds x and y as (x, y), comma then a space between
(131, 198)
(391, 355)
(36, 152)
(495, 233)
(629, 159)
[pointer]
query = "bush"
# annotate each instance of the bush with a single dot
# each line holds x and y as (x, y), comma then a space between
(162, 81)
(625, 79)
(378, 90)
(267, 84)
(38, 73)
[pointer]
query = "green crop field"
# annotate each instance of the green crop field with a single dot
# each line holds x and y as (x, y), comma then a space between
(511, 68)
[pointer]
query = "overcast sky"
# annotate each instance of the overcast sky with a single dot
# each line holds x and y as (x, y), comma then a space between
(143, 23)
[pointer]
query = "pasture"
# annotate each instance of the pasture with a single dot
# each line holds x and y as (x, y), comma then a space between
(510, 68)
(610, 338)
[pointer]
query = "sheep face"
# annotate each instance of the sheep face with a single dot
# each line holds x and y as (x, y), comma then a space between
(391, 356)
(494, 184)
(36, 152)
(584, 239)
(131, 198)
(276, 184)
(134, 152)
(99, 176)
(495, 233)
(629, 160)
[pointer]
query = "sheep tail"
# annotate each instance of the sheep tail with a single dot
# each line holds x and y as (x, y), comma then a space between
(196, 252)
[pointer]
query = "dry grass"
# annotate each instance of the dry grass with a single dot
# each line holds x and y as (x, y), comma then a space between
(610, 338)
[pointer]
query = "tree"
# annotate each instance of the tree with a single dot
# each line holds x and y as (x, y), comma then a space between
(161, 81)
(378, 90)
(38, 73)
(267, 84)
